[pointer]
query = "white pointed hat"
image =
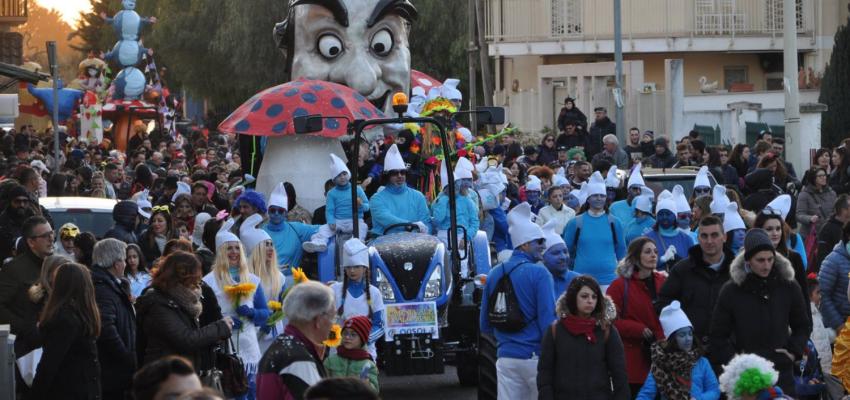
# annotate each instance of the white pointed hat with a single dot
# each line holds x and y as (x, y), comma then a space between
(636, 178)
(552, 237)
(612, 180)
(581, 194)
(355, 254)
(251, 236)
(665, 202)
(337, 166)
(533, 184)
(732, 219)
(702, 178)
(672, 319)
(393, 160)
(144, 204)
(643, 203)
(482, 164)
(278, 197)
(781, 204)
(198, 230)
(224, 234)
(449, 90)
(682, 205)
(463, 170)
(719, 199)
(559, 180)
(596, 185)
(182, 188)
(521, 225)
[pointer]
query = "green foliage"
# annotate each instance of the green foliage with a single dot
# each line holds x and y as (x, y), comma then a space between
(835, 91)
(438, 40)
(93, 32)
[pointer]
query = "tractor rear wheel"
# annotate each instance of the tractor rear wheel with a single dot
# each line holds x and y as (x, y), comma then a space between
(486, 367)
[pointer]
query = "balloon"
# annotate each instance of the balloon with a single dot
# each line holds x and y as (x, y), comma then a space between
(67, 99)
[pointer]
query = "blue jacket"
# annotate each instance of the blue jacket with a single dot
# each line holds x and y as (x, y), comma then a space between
(833, 280)
(562, 282)
(467, 214)
(638, 228)
(624, 211)
(682, 241)
(704, 384)
(287, 238)
(596, 253)
(800, 248)
(533, 286)
(402, 205)
(338, 203)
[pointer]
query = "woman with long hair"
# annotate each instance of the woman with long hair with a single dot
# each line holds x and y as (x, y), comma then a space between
(69, 326)
(136, 270)
(816, 202)
(839, 179)
(634, 292)
(28, 339)
(546, 153)
(84, 247)
(581, 354)
(153, 240)
(168, 314)
(823, 159)
(241, 296)
(739, 159)
(184, 211)
(262, 257)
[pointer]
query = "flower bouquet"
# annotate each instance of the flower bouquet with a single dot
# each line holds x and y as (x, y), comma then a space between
(237, 293)
(276, 307)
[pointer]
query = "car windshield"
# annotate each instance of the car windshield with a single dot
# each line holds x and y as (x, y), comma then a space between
(660, 182)
(87, 220)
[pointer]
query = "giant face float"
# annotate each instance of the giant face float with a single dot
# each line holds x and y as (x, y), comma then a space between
(358, 43)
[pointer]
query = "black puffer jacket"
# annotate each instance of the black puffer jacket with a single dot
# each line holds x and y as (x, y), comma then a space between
(167, 328)
(697, 288)
(762, 189)
(760, 315)
(125, 215)
(117, 342)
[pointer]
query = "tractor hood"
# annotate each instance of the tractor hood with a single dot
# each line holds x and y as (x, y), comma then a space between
(408, 258)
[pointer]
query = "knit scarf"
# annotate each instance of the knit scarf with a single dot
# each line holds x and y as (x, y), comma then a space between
(672, 371)
(580, 326)
(187, 299)
(353, 354)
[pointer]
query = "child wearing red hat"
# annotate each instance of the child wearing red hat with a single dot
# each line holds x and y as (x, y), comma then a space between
(352, 358)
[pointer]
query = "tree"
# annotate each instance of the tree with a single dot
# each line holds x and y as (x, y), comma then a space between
(835, 90)
(44, 25)
(438, 40)
(92, 31)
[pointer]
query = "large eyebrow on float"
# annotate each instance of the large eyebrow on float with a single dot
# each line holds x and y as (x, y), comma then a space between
(336, 7)
(402, 8)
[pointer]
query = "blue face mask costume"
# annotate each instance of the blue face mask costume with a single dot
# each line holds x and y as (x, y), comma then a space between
(557, 258)
(736, 239)
(535, 249)
(684, 220)
(277, 218)
(684, 338)
(666, 219)
(597, 201)
(533, 196)
(611, 194)
(572, 202)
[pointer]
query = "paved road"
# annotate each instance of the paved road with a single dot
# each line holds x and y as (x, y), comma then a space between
(425, 387)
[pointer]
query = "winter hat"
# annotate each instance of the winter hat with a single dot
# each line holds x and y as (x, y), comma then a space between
(251, 236)
(596, 185)
(719, 199)
(182, 188)
(533, 184)
(643, 203)
(278, 197)
(636, 178)
(781, 204)
(559, 180)
(682, 205)
(755, 241)
(747, 374)
(665, 202)
(580, 194)
(673, 318)
(552, 237)
(449, 90)
(337, 166)
(124, 211)
(702, 178)
(732, 219)
(361, 325)
(198, 231)
(253, 198)
(393, 160)
(224, 235)
(521, 225)
(355, 254)
(661, 142)
(612, 180)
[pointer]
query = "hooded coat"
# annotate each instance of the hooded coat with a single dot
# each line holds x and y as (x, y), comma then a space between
(760, 315)
(812, 202)
(574, 114)
(124, 215)
(760, 184)
(634, 298)
(833, 281)
(116, 344)
(666, 159)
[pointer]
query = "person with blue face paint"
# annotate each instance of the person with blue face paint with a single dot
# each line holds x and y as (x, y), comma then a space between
(681, 209)
(642, 221)
(516, 364)
(596, 238)
(625, 209)
(466, 210)
(675, 357)
(734, 227)
(672, 242)
(288, 237)
(556, 258)
(573, 200)
(398, 203)
(533, 191)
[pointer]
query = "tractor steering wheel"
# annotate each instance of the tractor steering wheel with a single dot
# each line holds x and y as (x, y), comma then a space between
(408, 227)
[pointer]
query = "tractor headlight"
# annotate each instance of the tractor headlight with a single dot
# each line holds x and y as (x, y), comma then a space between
(433, 288)
(384, 286)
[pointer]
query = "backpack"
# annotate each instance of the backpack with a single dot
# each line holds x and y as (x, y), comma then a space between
(580, 222)
(503, 311)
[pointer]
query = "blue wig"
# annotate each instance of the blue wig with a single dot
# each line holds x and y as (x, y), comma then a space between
(253, 198)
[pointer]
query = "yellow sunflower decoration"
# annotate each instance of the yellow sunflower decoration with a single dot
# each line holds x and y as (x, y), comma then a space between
(334, 336)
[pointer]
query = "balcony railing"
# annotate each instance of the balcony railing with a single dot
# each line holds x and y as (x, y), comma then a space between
(558, 20)
(13, 11)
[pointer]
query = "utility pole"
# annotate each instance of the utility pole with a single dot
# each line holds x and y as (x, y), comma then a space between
(54, 72)
(792, 91)
(471, 51)
(618, 60)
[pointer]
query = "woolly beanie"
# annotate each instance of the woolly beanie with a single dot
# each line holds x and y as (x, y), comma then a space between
(756, 240)
(361, 325)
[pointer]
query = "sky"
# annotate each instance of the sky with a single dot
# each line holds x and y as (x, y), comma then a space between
(70, 9)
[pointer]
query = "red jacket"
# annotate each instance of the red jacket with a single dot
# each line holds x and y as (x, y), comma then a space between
(630, 323)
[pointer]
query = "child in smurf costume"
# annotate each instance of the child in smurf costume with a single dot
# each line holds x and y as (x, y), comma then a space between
(338, 208)
(355, 296)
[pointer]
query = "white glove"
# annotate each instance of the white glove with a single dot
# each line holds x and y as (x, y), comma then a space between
(669, 254)
(506, 204)
(422, 227)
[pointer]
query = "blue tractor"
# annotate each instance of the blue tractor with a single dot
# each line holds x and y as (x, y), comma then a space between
(432, 308)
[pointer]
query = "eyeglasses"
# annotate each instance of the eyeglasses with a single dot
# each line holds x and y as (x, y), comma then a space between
(702, 190)
(45, 235)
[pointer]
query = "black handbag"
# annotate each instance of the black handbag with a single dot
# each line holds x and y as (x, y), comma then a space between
(234, 379)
